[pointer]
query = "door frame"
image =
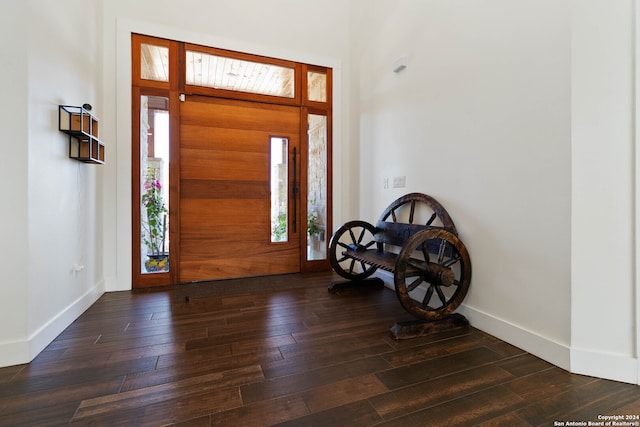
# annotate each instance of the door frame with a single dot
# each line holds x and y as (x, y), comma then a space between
(173, 89)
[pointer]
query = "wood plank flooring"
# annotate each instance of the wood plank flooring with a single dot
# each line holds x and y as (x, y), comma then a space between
(284, 351)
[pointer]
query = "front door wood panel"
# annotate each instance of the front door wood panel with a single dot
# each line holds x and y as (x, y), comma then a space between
(225, 228)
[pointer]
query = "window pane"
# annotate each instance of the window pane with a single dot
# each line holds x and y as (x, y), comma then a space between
(279, 190)
(317, 185)
(317, 84)
(154, 184)
(220, 72)
(154, 62)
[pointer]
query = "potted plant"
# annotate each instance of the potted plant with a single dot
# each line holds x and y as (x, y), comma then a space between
(312, 224)
(155, 224)
(316, 234)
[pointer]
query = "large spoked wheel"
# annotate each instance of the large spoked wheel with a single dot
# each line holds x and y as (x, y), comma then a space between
(355, 236)
(432, 274)
(419, 209)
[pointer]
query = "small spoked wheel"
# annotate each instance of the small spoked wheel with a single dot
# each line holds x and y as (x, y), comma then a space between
(354, 236)
(432, 274)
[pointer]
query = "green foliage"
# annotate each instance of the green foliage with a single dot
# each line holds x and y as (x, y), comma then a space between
(154, 226)
(280, 228)
(312, 224)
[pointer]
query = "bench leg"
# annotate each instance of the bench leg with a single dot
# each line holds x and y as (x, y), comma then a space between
(419, 328)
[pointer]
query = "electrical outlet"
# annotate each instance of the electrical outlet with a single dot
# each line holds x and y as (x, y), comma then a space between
(399, 181)
(386, 183)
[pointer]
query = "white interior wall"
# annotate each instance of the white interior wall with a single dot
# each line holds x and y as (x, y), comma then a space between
(64, 68)
(52, 228)
(480, 119)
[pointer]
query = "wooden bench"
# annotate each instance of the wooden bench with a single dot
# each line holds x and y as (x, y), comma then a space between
(416, 240)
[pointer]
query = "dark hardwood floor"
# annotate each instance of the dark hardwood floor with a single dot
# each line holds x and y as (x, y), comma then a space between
(284, 351)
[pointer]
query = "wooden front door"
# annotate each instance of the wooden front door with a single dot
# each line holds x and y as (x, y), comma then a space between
(226, 227)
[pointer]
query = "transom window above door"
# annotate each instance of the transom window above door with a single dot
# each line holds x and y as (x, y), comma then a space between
(154, 62)
(220, 72)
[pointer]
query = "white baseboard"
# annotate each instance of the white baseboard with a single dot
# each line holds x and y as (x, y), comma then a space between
(529, 341)
(578, 361)
(610, 366)
(13, 353)
(19, 352)
(598, 364)
(542, 347)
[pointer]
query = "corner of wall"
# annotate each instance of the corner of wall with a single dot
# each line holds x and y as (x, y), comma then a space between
(609, 366)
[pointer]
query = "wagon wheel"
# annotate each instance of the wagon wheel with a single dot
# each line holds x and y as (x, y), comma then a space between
(416, 202)
(432, 274)
(353, 235)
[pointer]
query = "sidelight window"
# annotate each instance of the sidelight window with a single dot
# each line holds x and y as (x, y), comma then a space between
(154, 184)
(279, 190)
(317, 188)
